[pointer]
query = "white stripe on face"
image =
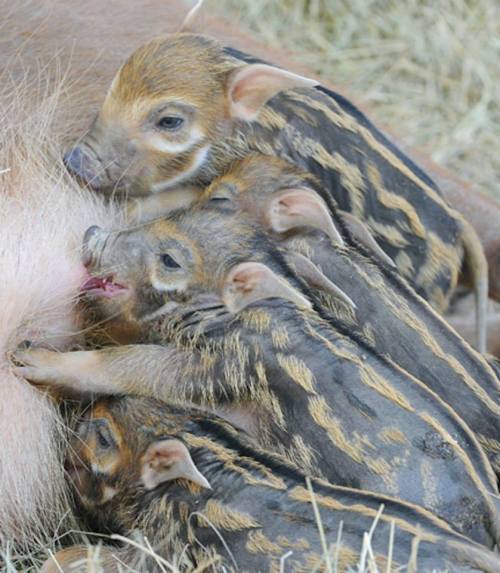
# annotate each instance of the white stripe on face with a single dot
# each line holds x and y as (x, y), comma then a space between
(176, 286)
(197, 162)
(158, 143)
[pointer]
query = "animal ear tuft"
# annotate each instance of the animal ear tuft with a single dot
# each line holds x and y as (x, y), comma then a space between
(301, 207)
(190, 21)
(167, 460)
(250, 282)
(251, 86)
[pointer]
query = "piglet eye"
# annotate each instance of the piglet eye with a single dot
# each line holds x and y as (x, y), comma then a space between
(169, 262)
(170, 122)
(102, 439)
(219, 199)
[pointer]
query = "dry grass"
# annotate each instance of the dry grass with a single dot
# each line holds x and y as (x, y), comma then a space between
(146, 559)
(427, 69)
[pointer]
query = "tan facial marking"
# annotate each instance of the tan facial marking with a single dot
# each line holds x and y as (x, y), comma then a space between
(196, 163)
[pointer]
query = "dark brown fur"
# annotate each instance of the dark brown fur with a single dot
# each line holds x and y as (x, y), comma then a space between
(389, 317)
(320, 397)
(259, 507)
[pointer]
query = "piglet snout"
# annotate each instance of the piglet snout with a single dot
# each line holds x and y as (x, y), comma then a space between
(79, 164)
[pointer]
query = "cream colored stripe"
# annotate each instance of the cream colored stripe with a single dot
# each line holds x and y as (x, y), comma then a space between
(301, 494)
(401, 310)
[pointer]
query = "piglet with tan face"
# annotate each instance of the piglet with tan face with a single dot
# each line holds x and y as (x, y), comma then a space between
(169, 110)
(182, 108)
(195, 486)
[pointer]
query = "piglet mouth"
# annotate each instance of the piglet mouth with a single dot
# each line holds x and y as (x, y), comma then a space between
(74, 465)
(102, 286)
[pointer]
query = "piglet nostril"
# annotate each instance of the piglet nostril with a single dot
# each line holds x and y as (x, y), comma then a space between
(79, 164)
(90, 234)
(73, 160)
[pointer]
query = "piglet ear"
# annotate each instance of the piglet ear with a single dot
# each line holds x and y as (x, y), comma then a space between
(301, 207)
(251, 86)
(250, 282)
(315, 278)
(167, 460)
(190, 21)
(360, 231)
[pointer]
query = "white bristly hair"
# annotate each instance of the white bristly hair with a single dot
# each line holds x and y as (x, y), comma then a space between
(43, 216)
